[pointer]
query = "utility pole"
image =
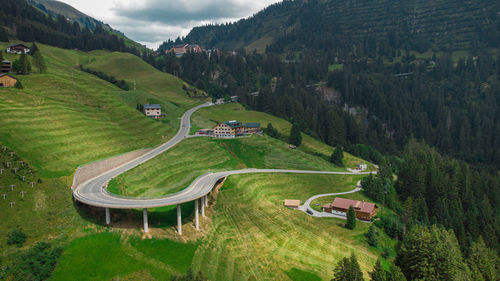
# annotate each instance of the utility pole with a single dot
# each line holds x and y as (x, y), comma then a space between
(4, 195)
(15, 170)
(32, 183)
(22, 193)
(1, 171)
(135, 84)
(12, 187)
(12, 204)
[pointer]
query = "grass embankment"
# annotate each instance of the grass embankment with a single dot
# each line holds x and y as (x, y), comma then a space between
(253, 237)
(175, 169)
(43, 212)
(105, 256)
(210, 116)
(58, 125)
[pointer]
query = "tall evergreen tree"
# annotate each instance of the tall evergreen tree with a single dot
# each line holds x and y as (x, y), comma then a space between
(372, 236)
(483, 262)
(34, 48)
(348, 269)
(337, 156)
(351, 218)
(39, 62)
(378, 273)
(396, 274)
(432, 254)
(295, 135)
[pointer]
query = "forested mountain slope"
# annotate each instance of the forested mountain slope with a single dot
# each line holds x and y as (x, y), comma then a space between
(25, 22)
(323, 25)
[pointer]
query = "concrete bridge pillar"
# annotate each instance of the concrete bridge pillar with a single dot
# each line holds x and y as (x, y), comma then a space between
(206, 200)
(203, 206)
(108, 217)
(196, 215)
(145, 217)
(179, 219)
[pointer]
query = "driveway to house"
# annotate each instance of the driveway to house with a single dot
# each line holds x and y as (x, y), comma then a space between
(93, 191)
(307, 205)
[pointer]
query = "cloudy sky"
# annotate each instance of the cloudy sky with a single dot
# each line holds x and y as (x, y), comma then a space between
(154, 21)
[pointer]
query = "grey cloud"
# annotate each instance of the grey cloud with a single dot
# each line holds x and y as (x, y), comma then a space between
(175, 12)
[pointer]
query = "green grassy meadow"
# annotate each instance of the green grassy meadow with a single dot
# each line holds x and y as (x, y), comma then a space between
(175, 169)
(58, 125)
(253, 237)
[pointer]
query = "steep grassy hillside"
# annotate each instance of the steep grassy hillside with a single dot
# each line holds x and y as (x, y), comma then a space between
(57, 125)
(253, 237)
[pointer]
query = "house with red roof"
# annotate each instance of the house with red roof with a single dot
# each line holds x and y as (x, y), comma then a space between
(364, 210)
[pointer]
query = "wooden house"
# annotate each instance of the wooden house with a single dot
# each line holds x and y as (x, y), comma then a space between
(7, 81)
(364, 210)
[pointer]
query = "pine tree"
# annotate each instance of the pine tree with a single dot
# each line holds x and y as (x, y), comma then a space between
(39, 62)
(483, 262)
(295, 136)
(23, 65)
(432, 254)
(396, 274)
(271, 131)
(18, 85)
(348, 269)
(351, 218)
(378, 273)
(337, 157)
(34, 49)
(372, 236)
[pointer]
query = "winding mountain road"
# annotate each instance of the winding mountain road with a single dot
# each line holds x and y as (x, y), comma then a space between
(94, 193)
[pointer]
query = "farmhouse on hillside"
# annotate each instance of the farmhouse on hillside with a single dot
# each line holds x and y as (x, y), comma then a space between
(18, 49)
(5, 66)
(364, 210)
(153, 110)
(231, 129)
(7, 81)
(180, 49)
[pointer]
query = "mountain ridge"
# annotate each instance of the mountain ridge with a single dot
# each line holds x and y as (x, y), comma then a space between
(318, 25)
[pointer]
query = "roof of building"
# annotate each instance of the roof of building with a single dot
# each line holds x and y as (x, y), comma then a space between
(193, 46)
(291, 202)
(180, 46)
(360, 206)
(5, 74)
(252, 125)
(152, 106)
(18, 45)
(5, 61)
(233, 124)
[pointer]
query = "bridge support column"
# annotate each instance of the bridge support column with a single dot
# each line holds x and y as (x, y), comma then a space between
(179, 219)
(196, 215)
(206, 200)
(203, 199)
(145, 217)
(108, 217)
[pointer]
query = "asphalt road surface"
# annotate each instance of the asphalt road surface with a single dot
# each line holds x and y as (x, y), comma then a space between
(94, 193)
